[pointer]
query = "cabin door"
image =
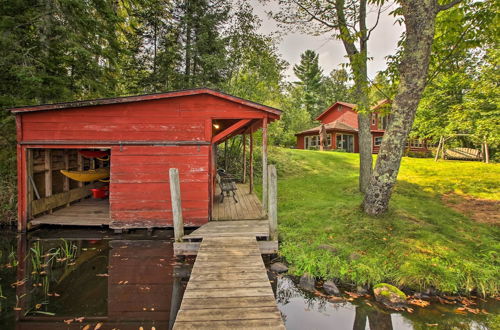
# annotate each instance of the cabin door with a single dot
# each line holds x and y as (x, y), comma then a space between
(345, 142)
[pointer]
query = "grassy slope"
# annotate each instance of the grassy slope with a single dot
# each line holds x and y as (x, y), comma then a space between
(420, 243)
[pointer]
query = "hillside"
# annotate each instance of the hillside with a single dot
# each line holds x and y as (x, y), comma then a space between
(422, 242)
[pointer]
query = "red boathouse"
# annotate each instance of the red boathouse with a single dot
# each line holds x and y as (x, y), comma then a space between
(137, 139)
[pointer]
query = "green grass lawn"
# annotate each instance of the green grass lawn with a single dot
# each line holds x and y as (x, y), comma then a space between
(419, 243)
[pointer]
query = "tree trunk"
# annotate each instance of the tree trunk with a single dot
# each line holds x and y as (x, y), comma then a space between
(358, 60)
(420, 17)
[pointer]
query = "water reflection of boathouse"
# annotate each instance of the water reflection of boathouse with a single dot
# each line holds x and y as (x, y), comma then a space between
(118, 282)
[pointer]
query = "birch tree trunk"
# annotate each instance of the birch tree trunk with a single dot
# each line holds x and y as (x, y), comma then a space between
(420, 18)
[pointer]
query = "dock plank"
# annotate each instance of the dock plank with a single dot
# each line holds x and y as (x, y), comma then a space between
(231, 292)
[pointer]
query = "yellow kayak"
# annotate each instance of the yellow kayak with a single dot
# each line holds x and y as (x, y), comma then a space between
(87, 176)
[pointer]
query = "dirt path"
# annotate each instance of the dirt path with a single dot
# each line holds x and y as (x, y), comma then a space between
(480, 210)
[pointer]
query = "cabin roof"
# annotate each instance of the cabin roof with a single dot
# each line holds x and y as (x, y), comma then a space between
(333, 126)
(349, 105)
(352, 106)
(145, 97)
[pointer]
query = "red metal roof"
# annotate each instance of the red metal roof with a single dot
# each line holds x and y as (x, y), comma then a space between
(146, 97)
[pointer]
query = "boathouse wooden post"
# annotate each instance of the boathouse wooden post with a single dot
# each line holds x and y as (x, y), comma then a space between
(175, 196)
(244, 140)
(48, 173)
(251, 161)
(273, 203)
(66, 167)
(264, 165)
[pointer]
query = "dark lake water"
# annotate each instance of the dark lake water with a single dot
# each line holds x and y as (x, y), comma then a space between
(67, 279)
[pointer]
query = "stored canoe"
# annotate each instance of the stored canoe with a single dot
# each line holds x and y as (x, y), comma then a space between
(87, 176)
(93, 153)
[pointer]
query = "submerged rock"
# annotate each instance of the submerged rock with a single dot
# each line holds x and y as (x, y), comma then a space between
(279, 267)
(307, 282)
(330, 288)
(389, 295)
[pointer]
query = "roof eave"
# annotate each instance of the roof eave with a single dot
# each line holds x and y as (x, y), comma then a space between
(146, 97)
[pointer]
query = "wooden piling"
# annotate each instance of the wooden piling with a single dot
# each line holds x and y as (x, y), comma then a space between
(175, 195)
(273, 203)
(244, 141)
(251, 162)
(264, 165)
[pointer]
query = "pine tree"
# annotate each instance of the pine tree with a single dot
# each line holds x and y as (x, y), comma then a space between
(310, 76)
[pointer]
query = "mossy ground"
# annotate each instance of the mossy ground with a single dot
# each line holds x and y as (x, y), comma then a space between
(419, 243)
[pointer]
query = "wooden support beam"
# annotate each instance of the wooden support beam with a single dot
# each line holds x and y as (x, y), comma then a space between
(231, 129)
(191, 248)
(79, 161)
(486, 153)
(244, 138)
(66, 167)
(273, 203)
(175, 195)
(251, 162)
(48, 173)
(264, 165)
(29, 180)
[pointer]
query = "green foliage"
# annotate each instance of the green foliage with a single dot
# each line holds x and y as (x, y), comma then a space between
(419, 243)
(310, 76)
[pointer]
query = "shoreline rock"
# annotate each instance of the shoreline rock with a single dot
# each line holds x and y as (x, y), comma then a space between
(279, 267)
(330, 288)
(389, 295)
(307, 282)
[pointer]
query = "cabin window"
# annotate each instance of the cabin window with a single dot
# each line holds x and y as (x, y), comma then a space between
(377, 141)
(383, 122)
(345, 142)
(311, 142)
(374, 119)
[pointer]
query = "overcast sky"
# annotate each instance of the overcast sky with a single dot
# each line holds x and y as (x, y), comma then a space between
(383, 42)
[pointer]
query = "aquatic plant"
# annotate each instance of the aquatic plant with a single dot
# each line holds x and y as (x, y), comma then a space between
(68, 250)
(13, 262)
(36, 256)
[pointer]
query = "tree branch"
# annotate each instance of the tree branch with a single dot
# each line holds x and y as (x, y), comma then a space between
(448, 5)
(376, 23)
(315, 17)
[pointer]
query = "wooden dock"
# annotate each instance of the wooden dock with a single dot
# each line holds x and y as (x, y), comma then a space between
(248, 206)
(87, 212)
(229, 288)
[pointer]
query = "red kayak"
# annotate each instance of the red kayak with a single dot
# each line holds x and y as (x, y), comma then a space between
(93, 154)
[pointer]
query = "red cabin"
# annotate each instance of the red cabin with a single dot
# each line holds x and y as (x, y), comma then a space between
(137, 139)
(341, 124)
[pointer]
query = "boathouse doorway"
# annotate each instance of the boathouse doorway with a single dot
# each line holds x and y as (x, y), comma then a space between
(68, 186)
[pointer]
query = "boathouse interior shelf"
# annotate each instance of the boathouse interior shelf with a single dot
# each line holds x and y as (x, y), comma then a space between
(145, 136)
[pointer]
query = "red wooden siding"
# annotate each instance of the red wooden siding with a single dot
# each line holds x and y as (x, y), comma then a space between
(177, 119)
(341, 113)
(140, 188)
